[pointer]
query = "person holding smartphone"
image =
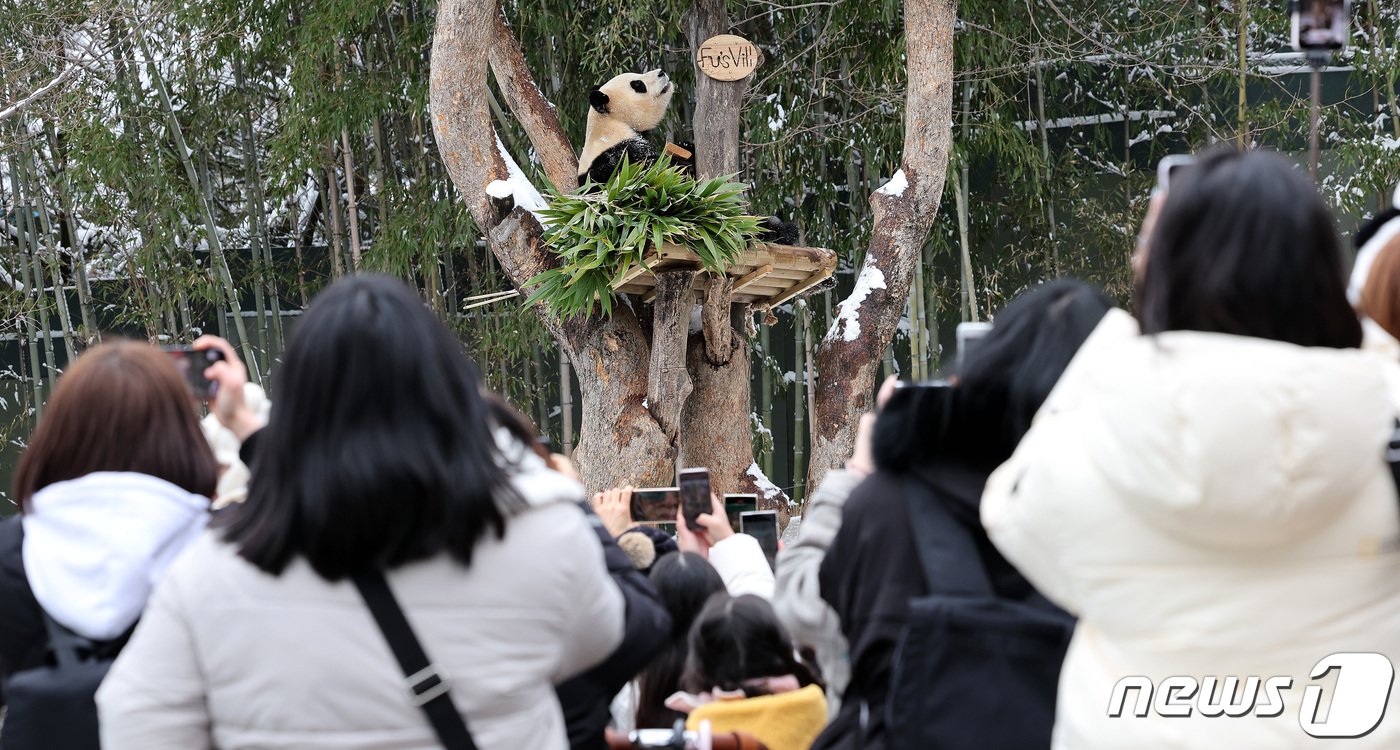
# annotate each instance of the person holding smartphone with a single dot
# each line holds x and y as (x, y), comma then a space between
(380, 464)
(943, 439)
(738, 557)
(115, 482)
(1208, 488)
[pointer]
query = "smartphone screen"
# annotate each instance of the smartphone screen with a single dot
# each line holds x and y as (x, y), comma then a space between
(1168, 167)
(655, 505)
(763, 526)
(736, 504)
(695, 496)
(192, 363)
(969, 335)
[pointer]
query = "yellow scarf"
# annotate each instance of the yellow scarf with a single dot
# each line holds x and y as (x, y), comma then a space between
(786, 721)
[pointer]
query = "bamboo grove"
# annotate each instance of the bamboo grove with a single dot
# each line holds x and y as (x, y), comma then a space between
(169, 169)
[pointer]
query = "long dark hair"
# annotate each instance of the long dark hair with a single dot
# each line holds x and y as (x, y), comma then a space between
(121, 406)
(1000, 386)
(684, 581)
(739, 638)
(379, 450)
(1245, 245)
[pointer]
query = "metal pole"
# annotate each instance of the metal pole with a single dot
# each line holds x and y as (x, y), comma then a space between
(1318, 60)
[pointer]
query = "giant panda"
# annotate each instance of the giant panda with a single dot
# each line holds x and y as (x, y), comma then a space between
(620, 113)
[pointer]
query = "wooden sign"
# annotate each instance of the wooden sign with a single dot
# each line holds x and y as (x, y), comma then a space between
(727, 57)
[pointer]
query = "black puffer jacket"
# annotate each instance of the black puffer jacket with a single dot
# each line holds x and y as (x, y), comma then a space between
(22, 638)
(872, 568)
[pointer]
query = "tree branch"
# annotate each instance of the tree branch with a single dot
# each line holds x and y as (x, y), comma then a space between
(40, 92)
(528, 104)
(847, 358)
(466, 139)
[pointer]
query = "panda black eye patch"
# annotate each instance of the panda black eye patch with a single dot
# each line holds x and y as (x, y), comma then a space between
(639, 87)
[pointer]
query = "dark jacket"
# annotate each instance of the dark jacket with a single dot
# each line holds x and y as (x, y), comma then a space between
(586, 699)
(22, 638)
(872, 571)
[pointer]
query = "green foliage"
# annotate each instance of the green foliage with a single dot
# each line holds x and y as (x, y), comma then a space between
(600, 235)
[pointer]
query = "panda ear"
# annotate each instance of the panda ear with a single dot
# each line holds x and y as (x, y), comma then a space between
(599, 101)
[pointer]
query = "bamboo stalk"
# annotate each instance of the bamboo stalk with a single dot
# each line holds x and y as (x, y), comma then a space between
(801, 397)
(90, 332)
(765, 393)
(566, 402)
(215, 246)
(332, 198)
(1048, 200)
(30, 333)
(1242, 137)
(253, 210)
(352, 210)
(540, 400)
(50, 252)
(969, 288)
(31, 239)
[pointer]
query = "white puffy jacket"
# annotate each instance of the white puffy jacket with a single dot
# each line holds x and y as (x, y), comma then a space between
(228, 656)
(1208, 505)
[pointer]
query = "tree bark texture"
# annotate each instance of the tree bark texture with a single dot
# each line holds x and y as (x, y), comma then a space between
(668, 383)
(529, 106)
(717, 103)
(846, 363)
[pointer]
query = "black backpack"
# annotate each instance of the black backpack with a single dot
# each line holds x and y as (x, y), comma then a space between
(52, 706)
(971, 670)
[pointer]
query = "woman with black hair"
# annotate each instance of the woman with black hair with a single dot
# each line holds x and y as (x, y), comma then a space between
(947, 440)
(380, 459)
(745, 676)
(1208, 491)
(684, 581)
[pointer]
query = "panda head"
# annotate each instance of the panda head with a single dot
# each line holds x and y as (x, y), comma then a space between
(637, 99)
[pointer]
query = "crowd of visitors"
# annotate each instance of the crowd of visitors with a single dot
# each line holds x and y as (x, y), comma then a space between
(1104, 529)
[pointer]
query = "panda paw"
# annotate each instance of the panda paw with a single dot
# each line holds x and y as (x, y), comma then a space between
(775, 231)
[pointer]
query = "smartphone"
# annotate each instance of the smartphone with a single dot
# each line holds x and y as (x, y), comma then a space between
(737, 503)
(969, 336)
(1168, 165)
(1320, 24)
(655, 505)
(695, 495)
(763, 526)
(192, 363)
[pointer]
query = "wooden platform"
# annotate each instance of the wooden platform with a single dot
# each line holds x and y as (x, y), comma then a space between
(767, 275)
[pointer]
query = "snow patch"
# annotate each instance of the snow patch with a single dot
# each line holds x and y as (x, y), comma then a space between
(895, 187)
(766, 489)
(848, 315)
(518, 187)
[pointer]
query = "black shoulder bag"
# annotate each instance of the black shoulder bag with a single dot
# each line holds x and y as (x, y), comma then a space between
(427, 688)
(53, 706)
(971, 670)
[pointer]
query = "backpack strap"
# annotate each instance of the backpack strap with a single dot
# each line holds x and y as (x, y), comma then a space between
(428, 688)
(66, 646)
(947, 552)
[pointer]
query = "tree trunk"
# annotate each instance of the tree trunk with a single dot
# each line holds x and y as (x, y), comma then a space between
(848, 356)
(718, 430)
(621, 441)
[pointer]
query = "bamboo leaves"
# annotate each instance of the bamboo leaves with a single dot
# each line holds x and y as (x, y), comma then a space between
(601, 235)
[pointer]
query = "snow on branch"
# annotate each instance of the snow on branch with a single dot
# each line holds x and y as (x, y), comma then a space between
(517, 186)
